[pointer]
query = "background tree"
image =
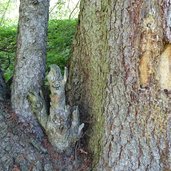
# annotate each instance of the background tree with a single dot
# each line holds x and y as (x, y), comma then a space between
(30, 60)
(120, 78)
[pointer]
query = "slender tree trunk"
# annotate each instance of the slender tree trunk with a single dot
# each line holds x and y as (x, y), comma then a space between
(120, 78)
(31, 51)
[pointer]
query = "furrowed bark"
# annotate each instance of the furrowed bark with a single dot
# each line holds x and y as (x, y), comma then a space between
(120, 79)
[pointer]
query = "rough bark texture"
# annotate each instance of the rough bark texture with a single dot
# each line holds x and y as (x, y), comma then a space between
(31, 51)
(120, 79)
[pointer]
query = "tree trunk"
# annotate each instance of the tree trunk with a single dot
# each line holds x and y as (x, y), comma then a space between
(31, 51)
(120, 77)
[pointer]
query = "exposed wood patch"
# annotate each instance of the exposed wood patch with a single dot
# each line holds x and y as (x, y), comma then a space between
(165, 68)
(150, 49)
(144, 68)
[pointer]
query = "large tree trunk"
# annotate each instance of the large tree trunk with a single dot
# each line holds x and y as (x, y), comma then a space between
(31, 51)
(121, 79)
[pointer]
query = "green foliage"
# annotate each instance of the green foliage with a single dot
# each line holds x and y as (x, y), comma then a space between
(5, 6)
(7, 49)
(60, 35)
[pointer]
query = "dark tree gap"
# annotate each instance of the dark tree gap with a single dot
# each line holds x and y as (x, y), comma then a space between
(3, 87)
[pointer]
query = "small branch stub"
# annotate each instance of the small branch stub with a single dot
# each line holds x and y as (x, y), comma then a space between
(62, 125)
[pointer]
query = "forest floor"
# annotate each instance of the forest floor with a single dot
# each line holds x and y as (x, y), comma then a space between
(21, 151)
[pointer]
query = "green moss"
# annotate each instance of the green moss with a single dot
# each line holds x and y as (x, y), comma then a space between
(60, 35)
(98, 71)
(7, 49)
(98, 95)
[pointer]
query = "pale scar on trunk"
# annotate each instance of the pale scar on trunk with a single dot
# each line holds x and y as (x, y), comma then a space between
(150, 51)
(165, 68)
(145, 69)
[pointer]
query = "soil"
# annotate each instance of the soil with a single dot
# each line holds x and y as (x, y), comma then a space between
(20, 150)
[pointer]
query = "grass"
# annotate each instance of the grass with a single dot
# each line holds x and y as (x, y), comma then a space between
(60, 36)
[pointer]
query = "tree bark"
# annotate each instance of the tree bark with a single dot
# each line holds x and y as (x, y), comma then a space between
(31, 51)
(120, 79)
